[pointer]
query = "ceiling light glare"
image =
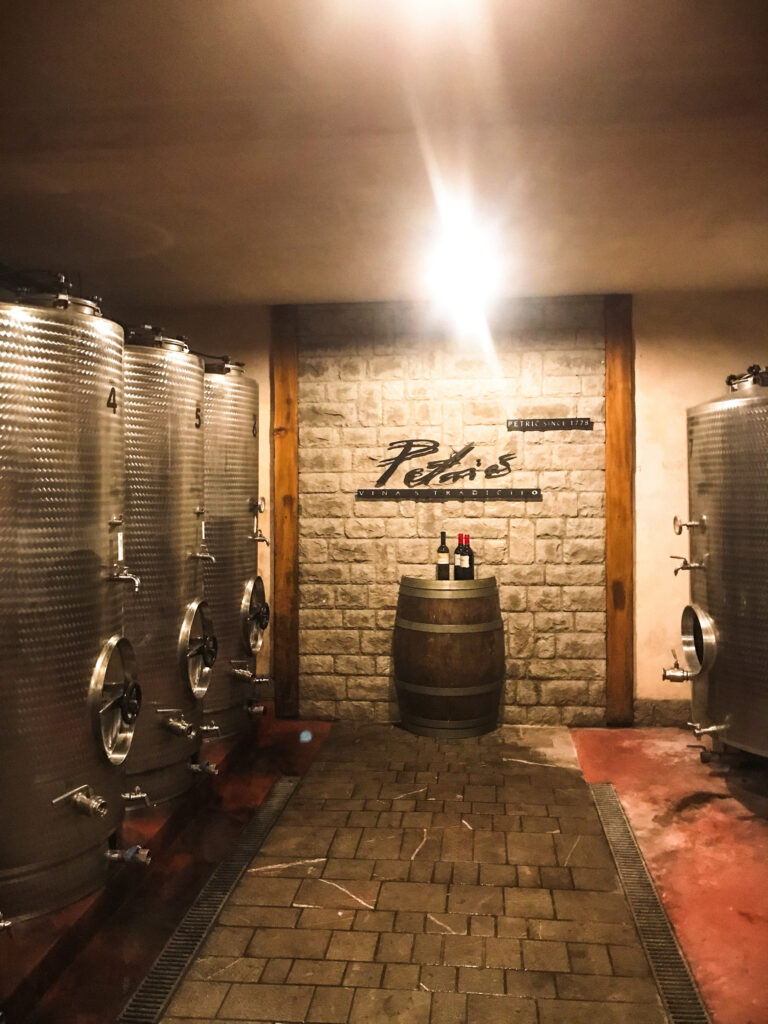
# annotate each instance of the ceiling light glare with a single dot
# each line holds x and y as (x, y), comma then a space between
(464, 276)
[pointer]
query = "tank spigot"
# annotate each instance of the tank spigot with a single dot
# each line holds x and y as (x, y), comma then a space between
(707, 730)
(135, 795)
(243, 675)
(85, 800)
(258, 536)
(677, 674)
(202, 554)
(254, 709)
(210, 729)
(180, 727)
(678, 525)
(131, 855)
(685, 565)
(203, 768)
(261, 680)
(4, 923)
(123, 574)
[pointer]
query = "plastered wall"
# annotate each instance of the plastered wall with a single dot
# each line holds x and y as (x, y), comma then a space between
(686, 345)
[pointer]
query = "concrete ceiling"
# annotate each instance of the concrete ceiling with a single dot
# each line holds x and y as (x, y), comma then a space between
(214, 152)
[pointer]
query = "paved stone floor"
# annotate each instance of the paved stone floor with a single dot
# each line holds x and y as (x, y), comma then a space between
(429, 882)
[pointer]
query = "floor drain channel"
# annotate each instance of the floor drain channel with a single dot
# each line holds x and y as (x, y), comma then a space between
(677, 988)
(153, 994)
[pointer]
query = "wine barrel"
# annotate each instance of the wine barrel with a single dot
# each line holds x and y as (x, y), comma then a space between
(448, 656)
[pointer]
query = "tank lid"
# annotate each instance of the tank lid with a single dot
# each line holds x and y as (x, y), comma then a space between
(222, 364)
(46, 289)
(154, 337)
(754, 377)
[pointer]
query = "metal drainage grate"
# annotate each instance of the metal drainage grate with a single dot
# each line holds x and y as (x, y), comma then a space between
(153, 994)
(678, 990)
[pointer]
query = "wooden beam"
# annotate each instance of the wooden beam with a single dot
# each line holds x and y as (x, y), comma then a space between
(619, 509)
(284, 379)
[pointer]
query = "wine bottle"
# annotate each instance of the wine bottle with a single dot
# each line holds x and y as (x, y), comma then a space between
(443, 559)
(471, 559)
(465, 558)
(457, 570)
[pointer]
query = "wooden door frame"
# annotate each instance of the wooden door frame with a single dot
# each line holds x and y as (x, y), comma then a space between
(619, 508)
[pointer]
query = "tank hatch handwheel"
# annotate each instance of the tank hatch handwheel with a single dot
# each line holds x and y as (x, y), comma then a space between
(254, 613)
(197, 647)
(115, 698)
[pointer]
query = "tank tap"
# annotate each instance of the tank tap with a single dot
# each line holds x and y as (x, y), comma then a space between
(210, 729)
(135, 795)
(254, 709)
(123, 574)
(131, 855)
(685, 565)
(678, 525)
(677, 674)
(85, 800)
(179, 726)
(4, 923)
(202, 554)
(203, 768)
(707, 730)
(258, 536)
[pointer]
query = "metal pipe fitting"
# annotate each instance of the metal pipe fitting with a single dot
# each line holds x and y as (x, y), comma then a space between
(90, 803)
(210, 729)
(180, 727)
(203, 768)
(131, 855)
(135, 795)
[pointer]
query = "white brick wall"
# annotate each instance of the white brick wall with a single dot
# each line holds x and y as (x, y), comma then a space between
(374, 373)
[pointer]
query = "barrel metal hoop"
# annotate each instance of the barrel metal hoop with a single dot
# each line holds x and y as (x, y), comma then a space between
(449, 691)
(447, 595)
(432, 627)
(448, 723)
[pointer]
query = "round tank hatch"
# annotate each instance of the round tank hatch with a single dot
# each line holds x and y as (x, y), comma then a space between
(699, 638)
(197, 647)
(254, 612)
(115, 698)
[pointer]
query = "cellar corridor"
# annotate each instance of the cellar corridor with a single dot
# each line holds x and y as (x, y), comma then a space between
(417, 880)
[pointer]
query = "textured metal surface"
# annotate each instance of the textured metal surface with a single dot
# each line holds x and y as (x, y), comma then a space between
(678, 990)
(61, 481)
(728, 482)
(157, 988)
(231, 485)
(164, 488)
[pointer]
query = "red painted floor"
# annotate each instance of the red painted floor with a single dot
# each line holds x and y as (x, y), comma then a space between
(703, 830)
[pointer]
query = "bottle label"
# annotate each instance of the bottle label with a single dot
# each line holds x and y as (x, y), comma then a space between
(465, 561)
(443, 559)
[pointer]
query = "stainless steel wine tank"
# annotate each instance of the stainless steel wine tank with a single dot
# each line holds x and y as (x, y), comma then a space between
(232, 585)
(725, 628)
(165, 543)
(69, 697)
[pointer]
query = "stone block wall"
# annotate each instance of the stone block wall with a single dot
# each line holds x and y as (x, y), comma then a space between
(374, 373)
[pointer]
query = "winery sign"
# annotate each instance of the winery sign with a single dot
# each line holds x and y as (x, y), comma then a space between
(424, 476)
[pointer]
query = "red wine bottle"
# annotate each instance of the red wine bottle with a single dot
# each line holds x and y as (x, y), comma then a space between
(465, 558)
(457, 569)
(443, 559)
(470, 559)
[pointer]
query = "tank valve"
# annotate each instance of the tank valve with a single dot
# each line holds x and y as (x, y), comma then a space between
(123, 574)
(180, 727)
(85, 800)
(203, 768)
(677, 674)
(258, 536)
(243, 675)
(202, 554)
(254, 709)
(135, 795)
(210, 729)
(685, 565)
(678, 525)
(131, 855)
(4, 923)
(707, 730)
(261, 680)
